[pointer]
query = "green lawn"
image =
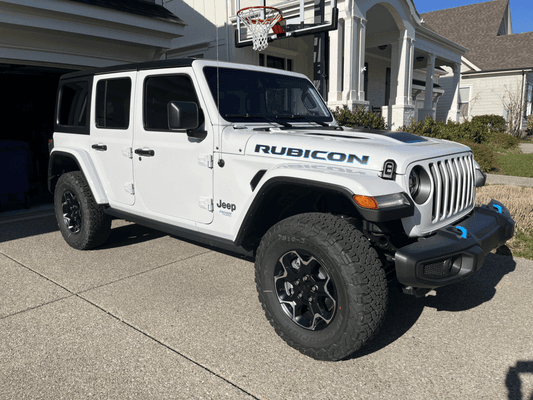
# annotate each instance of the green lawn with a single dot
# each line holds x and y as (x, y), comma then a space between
(516, 164)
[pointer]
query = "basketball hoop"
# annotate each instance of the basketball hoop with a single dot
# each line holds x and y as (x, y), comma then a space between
(259, 20)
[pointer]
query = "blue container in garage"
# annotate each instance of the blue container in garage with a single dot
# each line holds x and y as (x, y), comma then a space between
(14, 184)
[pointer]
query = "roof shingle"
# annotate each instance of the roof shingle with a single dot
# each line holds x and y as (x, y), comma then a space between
(476, 27)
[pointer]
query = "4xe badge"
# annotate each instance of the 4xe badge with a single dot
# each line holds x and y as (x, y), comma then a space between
(226, 208)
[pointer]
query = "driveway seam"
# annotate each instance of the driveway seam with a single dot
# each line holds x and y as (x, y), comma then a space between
(167, 347)
(79, 296)
(142, 272)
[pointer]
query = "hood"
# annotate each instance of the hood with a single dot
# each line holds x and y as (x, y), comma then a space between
(349, 147)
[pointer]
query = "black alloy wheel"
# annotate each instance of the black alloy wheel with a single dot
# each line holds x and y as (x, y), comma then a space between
(305, 290)
(71, 212)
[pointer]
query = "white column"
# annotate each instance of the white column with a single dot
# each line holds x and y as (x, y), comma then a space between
(349, 93)
(402, 109)
(428, 99)
(361, 31)
(404, 64)
(454, 112)
(410, 71)
(335, 66)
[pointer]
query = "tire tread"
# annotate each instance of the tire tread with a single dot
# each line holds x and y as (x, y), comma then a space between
(361, 269)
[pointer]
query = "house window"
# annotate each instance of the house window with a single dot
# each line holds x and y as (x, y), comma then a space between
(275, 62)
(464, 101)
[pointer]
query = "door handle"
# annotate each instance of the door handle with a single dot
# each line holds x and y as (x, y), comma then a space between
(145, 152)
(99, 147)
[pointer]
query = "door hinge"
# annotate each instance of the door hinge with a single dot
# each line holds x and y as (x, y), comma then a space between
(128, 152)
(128, 187)
(206, 160)
(207, 203)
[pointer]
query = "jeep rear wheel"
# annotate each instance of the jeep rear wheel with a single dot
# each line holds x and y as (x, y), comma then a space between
(82, 221)
(321, 285)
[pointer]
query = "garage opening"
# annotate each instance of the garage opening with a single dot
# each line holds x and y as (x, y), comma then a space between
(27, 104)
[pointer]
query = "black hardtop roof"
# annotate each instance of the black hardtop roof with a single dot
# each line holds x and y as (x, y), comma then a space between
(181, 62)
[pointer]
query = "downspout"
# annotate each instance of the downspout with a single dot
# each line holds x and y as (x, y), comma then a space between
(522, 100)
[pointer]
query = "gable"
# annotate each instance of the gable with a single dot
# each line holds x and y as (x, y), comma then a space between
(485, 29)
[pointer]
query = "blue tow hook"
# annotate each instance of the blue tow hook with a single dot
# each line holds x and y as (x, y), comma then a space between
(497, 207)
(463, 231)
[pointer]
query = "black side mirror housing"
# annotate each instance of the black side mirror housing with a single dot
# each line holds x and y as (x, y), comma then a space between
(183, 115)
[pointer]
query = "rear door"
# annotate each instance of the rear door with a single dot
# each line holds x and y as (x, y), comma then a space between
(112, 135)
(173, 169)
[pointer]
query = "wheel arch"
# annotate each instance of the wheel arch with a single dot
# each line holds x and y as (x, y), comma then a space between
(283, 197)
(68, 161)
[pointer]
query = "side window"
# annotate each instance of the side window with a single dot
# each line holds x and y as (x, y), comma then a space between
(113, 103)
(159, 91)
(73, 104)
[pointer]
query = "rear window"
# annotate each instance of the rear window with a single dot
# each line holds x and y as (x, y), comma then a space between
(113, 103)
(73, 107)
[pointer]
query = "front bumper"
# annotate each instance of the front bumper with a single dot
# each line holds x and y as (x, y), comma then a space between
(457, 251)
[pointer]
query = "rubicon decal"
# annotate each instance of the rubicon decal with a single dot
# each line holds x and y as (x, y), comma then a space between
(312, 154)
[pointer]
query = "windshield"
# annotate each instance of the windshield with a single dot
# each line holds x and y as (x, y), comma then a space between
(255, 96)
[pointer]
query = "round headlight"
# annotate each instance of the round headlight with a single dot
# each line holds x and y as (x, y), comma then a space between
(414, 182)
(419, 184)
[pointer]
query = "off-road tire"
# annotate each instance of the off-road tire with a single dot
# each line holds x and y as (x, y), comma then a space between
(82, 221)
(357, 285)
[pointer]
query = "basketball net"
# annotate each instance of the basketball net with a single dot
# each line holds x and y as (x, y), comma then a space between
(259, 20)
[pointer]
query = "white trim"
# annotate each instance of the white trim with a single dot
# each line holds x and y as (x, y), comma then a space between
(469, 64)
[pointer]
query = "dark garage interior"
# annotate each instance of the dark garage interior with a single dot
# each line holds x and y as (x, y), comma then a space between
(27, 112)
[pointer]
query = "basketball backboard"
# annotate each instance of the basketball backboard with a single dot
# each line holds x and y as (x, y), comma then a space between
(300, 18)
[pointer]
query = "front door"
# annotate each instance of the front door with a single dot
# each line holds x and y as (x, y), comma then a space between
(172, 169)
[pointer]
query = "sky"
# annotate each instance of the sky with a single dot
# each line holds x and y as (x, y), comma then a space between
(521, 11)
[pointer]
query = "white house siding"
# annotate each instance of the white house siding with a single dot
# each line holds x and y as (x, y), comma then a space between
(206, 26)
(489, 92)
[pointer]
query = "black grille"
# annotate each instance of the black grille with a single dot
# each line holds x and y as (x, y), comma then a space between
(436, 269)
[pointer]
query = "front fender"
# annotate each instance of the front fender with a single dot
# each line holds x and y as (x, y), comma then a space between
(343, 181)
(354, 180)
(85, 165)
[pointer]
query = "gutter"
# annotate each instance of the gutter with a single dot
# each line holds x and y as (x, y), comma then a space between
(497, 71)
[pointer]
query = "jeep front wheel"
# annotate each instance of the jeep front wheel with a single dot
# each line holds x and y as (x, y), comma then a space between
(82, 221)
(321, 285)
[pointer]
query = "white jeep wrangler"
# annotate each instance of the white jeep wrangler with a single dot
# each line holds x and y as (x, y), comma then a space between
(250, 160)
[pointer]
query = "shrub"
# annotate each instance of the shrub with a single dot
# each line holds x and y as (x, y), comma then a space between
(530, 124)
(474, 131)
(358, 117)
(469, 130)
(503, 140)
(495, 123)
(483, 154)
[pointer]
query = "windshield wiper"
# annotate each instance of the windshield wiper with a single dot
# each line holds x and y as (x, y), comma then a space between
(293, 116)
(251, 116)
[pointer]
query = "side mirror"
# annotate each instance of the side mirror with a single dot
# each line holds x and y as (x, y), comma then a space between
(183, 115)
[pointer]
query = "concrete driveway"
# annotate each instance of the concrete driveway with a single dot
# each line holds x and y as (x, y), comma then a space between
(152, 317)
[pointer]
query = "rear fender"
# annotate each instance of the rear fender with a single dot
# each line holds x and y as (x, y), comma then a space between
(59, 157)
